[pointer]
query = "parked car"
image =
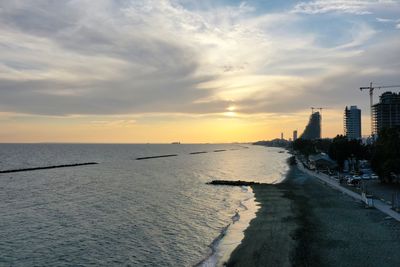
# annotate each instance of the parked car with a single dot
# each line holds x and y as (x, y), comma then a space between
(374, 176)
(353, 180)
(366, 176)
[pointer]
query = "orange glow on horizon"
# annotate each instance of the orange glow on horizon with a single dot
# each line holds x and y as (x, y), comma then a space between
(229, 126)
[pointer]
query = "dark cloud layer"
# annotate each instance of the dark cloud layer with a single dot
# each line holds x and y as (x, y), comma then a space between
(122, 57)
(157, 74)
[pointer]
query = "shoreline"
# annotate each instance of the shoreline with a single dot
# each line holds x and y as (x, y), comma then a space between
(232, 234)
(235, 232)
(302, 222)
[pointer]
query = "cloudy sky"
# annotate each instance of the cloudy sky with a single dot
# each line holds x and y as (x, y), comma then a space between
(188, 70)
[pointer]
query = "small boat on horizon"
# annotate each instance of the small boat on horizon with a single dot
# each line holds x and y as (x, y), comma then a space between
(176, 143)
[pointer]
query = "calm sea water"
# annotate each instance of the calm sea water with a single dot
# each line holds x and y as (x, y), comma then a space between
(157, 212)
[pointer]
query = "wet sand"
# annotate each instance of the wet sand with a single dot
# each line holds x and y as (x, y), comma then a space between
(303, 222)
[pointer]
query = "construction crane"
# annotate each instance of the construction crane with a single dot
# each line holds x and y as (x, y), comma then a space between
(371, 98)
(312, 109)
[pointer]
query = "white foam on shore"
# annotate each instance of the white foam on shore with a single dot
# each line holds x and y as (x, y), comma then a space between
(233, 234)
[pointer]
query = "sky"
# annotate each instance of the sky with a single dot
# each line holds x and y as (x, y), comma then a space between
(158, 71)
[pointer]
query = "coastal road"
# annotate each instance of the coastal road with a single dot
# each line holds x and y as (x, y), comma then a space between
(378, 204)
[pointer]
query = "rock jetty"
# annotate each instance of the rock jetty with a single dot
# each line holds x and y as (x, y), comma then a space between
(232, 183)
(48, 167)
(156, 157)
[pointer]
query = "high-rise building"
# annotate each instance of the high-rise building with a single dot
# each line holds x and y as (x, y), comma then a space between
(352, 122)
(294, 135)
(313, 128)
(386, 113)
(281, 136)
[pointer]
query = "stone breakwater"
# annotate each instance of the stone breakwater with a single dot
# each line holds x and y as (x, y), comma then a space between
(156, 157)
(232, 183)
(48, 167)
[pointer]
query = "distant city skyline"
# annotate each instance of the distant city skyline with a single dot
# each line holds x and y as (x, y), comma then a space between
(194, 71)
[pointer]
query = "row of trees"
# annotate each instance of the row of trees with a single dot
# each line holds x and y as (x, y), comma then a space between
(342, 149)
(384, 154)
(309, 147)
(385, 158)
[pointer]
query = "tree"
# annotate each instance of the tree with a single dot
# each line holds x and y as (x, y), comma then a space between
(304, 146)
(342, 149)
(339, 150)
(323, 145)
(385, 159)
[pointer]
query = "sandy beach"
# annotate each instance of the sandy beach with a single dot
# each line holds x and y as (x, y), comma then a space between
(302, 222)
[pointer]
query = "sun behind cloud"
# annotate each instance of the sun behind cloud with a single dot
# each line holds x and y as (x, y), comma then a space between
(161, 62)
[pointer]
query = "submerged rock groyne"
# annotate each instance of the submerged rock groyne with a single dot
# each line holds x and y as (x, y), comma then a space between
(156, 157)
(48, 167)
(232, 183)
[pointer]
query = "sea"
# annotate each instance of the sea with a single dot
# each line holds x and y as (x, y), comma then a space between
(129, 212)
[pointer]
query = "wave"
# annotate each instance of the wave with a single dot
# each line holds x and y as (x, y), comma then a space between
(211, 259)
(236, 217)
(233, 232)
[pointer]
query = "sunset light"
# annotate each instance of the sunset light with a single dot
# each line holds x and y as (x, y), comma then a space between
(204, 133)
